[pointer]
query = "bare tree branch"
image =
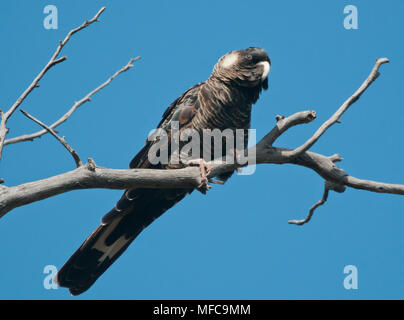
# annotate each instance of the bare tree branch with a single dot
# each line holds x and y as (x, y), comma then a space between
(90, 176)
(76, 105)
(374, 186)
(283, 124)
(61, 140)
(53, 61)
(336, 116)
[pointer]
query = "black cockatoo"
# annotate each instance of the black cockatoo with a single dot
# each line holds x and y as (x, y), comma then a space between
(222, 102)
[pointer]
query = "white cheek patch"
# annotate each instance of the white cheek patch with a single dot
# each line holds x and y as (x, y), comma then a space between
(267, 67)
(229, 60)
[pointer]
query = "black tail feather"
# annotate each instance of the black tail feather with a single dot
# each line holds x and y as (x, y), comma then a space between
(117, 231)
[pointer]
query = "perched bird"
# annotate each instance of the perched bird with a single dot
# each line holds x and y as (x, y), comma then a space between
(222, 102)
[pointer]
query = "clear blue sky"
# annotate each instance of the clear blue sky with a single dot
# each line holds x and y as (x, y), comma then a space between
(235, 242)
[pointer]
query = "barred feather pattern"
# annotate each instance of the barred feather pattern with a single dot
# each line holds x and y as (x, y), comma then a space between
(222, 102)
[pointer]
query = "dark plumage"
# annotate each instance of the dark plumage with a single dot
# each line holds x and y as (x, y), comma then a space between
(224, 102)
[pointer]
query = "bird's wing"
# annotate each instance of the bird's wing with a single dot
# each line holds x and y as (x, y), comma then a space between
(182, 110)
(137, 208)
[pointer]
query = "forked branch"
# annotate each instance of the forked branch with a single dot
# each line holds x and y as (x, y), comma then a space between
(54, 60)
(61, 140)
(337, 115)
(76, 105)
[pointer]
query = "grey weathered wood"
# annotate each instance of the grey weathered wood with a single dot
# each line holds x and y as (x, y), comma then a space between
(90, 177)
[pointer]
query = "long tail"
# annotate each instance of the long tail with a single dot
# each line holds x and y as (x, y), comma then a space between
(135, 211)
(91, 260)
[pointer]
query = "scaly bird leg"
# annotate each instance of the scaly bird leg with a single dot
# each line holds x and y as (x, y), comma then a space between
(205, 171)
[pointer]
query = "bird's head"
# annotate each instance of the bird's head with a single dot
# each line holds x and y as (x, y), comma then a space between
(245, 68)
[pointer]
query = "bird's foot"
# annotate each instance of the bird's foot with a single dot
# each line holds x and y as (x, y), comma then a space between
(205, 169)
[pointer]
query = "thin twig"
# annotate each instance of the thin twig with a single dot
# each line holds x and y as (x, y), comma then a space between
(283, 124)
(86, 98)
(61, 140)
(311, 212)
(52, 62)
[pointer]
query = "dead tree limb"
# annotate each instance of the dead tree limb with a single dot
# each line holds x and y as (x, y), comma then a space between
(61, 140)
(54, 60)
(341, 110)
(76, 105)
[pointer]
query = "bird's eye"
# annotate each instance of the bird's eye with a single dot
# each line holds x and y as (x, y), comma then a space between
(249, 57)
